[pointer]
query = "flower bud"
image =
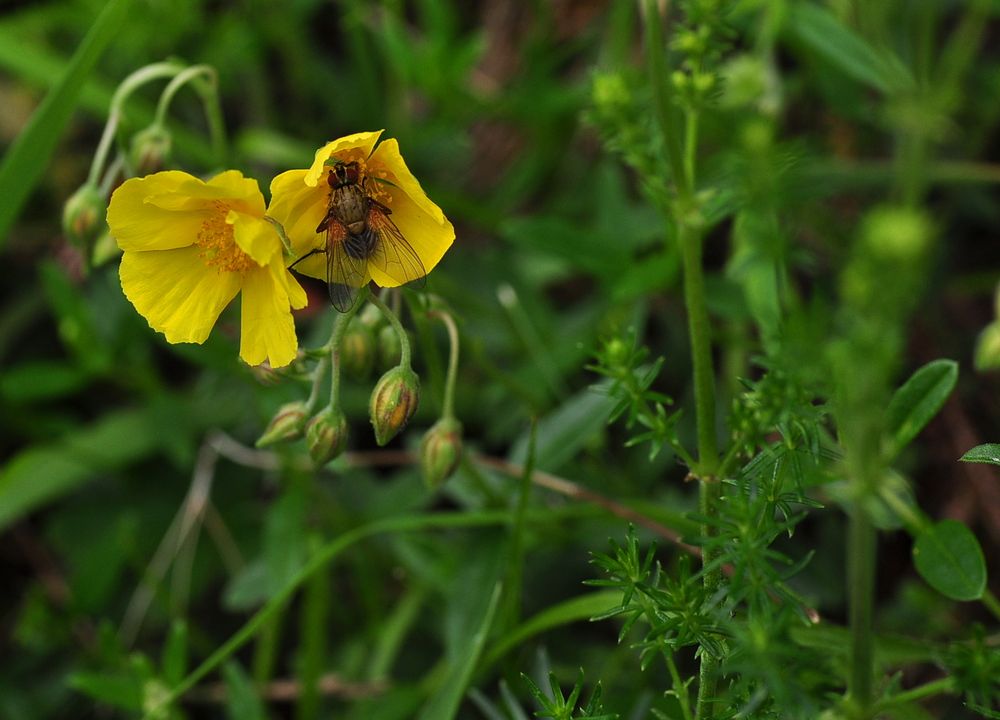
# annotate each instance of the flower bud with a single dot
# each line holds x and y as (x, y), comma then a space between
(393, 402)
(987, 354)
(83, 217)
(440, 451)
(897, 234)
(286, 424)
(326, 435)
(150, 149)
(357, 351)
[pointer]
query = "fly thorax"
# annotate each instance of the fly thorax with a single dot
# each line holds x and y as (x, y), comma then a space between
(350, 207)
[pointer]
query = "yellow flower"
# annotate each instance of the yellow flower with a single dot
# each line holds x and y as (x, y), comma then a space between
(190, 246)
(300, 200)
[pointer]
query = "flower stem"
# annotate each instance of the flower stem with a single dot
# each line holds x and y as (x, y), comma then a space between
(404, 341)
(448, 407)
(861, 578)
(660, 83)
(140, 77)
(680, 690)
(208, 91)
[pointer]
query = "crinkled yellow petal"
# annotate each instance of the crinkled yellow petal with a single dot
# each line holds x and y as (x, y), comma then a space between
(257, 238)
(267, 330)
(233, 186)
(428, 237)
(387, 155)
(299, 208)
(363, 141)
(138, 225)
(176, 292)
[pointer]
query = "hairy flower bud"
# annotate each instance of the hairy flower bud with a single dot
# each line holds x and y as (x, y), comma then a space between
(440, 451)
(393, 402)
(286, 424)
(987, 354)
(83, 217)
(326, 435)
(357, 351)
(150, 149)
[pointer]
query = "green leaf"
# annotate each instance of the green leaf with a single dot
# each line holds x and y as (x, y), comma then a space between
(823, 33)
(949, 558)
(567, 429)
(29, 155)
(118, 690)
(569, 611)
(42, 473)
(917, 401)
(444, 704)
(988, 453)
(242, 702)
(175, 652)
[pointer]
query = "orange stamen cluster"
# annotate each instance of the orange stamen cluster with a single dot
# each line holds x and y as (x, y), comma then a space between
(217, 245)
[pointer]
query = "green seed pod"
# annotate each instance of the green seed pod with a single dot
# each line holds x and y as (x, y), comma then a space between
(83, 217)
(326, 435)
(286, 424)
(393, 402)
(440, 451)
(357, 351)
(150, 150)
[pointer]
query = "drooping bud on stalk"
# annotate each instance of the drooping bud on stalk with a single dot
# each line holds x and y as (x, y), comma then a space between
(286, 424)
(326, 435)
(150, 150)
(440, 451)
(357, 351)
(83, 217)
(393, 402)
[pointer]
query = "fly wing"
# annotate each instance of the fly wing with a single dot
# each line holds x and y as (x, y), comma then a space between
(392, 254)
(346, 274)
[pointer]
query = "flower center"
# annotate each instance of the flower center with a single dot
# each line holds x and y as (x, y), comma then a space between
(217, 245)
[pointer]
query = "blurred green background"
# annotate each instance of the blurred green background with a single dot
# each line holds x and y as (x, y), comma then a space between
(507, 112)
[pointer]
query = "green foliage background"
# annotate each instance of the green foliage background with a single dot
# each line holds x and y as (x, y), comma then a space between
(533, 126)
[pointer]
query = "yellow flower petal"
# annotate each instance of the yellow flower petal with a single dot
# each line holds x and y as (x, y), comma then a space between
(137, 225)
(257, 238)
(363, 142)
(176, 293)
(387, 155)
(267, 331)
(429, 238)
(299, 208)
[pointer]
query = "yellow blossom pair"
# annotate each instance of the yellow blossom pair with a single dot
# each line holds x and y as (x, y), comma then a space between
(191, 246)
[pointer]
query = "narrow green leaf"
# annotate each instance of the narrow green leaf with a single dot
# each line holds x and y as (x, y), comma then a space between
(917, 401)
(949, 558)
(29, 155)
(242, 702)
(820, 30)
(175, 652)
(577, 609)
(117, 690)
(444, 704)
(564, 431)
(42, 473)
(988, 453)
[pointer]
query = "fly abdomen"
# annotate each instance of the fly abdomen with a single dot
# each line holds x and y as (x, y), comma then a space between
(361, 245)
